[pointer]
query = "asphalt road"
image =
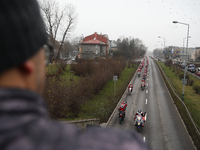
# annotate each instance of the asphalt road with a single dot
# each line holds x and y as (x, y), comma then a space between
(163, 129)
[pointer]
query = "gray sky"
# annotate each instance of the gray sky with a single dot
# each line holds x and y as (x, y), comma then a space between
(143, 19)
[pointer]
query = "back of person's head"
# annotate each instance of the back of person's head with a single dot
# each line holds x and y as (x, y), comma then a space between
(22, 32)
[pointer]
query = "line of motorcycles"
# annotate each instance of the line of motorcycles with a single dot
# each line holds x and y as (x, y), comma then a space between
(139, 119)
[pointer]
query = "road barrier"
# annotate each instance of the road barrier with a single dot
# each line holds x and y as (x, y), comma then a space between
(82, 124)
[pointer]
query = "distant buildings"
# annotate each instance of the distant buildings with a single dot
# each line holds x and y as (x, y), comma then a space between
(179, 53)
(93, 46)
(113, 46)
(195, 55)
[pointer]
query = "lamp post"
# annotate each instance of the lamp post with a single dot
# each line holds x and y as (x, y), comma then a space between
(163, 47)
(184, 80)
(184, 42)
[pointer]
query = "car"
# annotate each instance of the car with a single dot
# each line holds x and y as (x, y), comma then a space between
(73, 58)
(64, 58)
(182, 65)
(176, 63)
(197, 73)
(192, 69)
(191, 66)
(198, 69)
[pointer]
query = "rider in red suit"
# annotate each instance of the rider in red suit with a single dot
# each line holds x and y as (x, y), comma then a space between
(123, 108)
(143, 81)
(139, 112)
(130, 86)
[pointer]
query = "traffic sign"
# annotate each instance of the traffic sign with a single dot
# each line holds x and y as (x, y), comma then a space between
(184, 82)
(114, 78)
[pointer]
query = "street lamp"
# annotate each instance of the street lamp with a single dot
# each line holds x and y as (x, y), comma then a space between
(184, 42)
(184, 80)
(163, 47)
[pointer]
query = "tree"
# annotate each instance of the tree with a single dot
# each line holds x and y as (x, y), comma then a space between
(59, 22)
(130, 47)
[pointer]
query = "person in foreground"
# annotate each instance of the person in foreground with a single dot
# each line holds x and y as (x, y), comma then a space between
(24, 122)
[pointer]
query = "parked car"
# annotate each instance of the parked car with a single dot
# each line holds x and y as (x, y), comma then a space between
(176, 63)
(191, 66)
(182, 65)
(64, 58)
(192, 69)
(198, 69)
(73, 58)
(197, 73)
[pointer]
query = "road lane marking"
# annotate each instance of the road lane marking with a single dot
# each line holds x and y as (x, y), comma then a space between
(146, 91)
(147, 79)
(145, 117)
(144, 139)
(146, 101)
(147, 84)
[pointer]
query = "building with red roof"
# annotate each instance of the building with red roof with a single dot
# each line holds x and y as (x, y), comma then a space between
(93, 46)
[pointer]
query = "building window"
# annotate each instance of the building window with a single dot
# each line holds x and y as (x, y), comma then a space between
(96, 52)
(96, 46)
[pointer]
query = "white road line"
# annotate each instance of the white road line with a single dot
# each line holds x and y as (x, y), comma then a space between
(144, 139)
(147, 84)
(146, 117)
(146, 91)
(147, 79)
(146, 101)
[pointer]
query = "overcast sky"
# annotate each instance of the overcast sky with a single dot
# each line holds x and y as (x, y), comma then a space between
(143, 19)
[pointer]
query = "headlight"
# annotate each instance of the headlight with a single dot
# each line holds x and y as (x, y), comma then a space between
(138, 123)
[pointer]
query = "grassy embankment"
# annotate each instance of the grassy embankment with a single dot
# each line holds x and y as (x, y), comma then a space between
(103, 104)
(191, 100)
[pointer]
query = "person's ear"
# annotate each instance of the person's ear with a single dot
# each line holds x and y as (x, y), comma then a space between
(27, 67)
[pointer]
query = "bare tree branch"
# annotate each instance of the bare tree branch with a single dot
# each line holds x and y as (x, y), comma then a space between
(59, 22)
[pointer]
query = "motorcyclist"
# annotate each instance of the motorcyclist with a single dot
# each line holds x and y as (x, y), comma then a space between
(130, 86)
(144, 76)
(143, 82)
(139, 112)
(123, 108)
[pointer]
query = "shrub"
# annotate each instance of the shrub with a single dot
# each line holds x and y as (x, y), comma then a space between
(190, 82)
(181, 76)
(196, 88)
(168, 63)
(65, 98)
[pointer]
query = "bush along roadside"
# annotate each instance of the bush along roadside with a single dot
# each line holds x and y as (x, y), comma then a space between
(103, 104)
(183, 112)
(65, 97)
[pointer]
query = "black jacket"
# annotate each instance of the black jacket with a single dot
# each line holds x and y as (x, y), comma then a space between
(24, 125)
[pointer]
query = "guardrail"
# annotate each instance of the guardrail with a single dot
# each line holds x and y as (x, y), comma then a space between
(194, 124)
(84, 123)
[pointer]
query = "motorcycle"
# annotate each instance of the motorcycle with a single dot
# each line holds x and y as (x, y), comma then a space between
(129, 90)
(121, 116)
(142, 86)
(139, 122)
(144, 77)
(138, 74)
